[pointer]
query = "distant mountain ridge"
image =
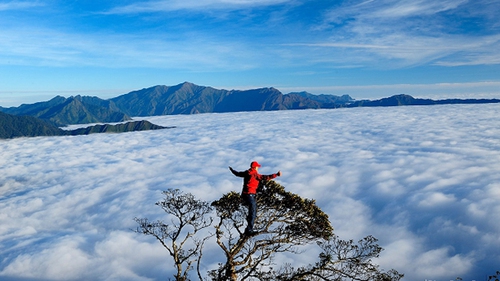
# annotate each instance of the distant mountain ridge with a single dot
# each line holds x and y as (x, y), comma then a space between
(12, 126)
(62, 111)
(188, 98)
(184, 98)
(133, 126)
(402, 100)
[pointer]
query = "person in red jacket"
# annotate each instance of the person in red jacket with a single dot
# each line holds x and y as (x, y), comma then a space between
(251, 180)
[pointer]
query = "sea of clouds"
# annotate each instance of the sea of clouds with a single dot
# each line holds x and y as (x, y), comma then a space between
(424, 180)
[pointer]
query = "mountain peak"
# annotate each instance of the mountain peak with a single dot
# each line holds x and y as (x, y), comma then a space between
(186, 83)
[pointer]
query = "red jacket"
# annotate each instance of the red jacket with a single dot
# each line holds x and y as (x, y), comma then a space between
(251, 179)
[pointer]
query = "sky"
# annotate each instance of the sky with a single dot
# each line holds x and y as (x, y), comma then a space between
(367, 49)
(424, 180)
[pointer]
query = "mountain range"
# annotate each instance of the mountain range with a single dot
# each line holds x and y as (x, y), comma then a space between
(12, 126)
(62, 111)
(185, 98)
(401, 100)
(188, 98)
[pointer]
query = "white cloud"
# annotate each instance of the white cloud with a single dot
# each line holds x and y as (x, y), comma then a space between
(19, 5)
(40, 46)
(434, 264)
(421, 179)
(44, 263)
(410, 33)
(439, 264)
(406, 8)
(173, 5)
(436, 199)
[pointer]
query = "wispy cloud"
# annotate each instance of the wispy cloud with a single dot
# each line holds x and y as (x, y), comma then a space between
(421, 179)
(377, 34)
(408, 8)
(19, 5)
(172, 5)
(412, 32)
(406, 51)
(46, 47)
(386, 11)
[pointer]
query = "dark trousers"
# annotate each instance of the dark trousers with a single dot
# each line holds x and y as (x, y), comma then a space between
(250, 201)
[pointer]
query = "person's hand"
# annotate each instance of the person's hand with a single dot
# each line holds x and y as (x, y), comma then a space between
(279, 174)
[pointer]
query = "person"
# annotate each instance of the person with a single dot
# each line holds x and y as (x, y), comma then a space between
(251, 180)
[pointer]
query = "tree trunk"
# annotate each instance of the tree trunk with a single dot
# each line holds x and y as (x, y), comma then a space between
(231, 271)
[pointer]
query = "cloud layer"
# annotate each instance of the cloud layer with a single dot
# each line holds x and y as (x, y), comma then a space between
(424, 180)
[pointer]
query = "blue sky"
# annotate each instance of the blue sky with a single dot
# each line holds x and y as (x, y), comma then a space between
(367, 49)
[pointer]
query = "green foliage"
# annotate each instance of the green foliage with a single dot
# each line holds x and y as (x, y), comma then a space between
(279, 212)
(302, 217)
(228, 205)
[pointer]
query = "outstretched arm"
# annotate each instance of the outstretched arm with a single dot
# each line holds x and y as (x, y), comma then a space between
(272, 176)
(236, 173)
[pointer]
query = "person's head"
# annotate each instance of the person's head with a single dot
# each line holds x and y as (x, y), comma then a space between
(254, 165)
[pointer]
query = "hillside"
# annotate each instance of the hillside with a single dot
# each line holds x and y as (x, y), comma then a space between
(184, 98)
(324, 101)
(25, 126)
(134, 126)
(12, 126)
(62, 111)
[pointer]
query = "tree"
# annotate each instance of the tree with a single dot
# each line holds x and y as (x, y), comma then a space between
(188, 217)
(343, 260)
(494, 277)
(286, 223)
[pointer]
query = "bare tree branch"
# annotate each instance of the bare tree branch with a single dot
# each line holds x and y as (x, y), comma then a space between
(188, 217)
